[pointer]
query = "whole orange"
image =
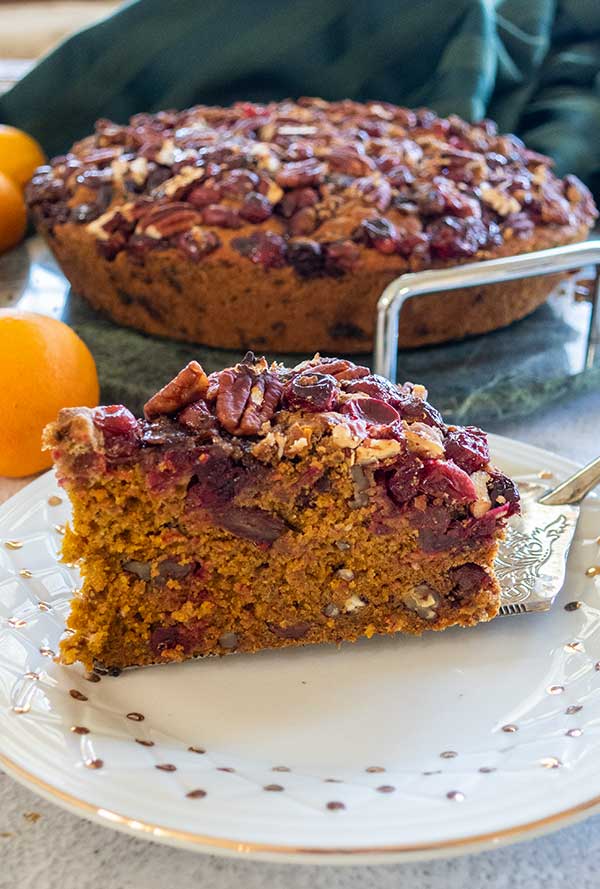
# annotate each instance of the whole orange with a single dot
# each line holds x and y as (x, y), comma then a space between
(13, 214)
(44, 366)
(20, 154)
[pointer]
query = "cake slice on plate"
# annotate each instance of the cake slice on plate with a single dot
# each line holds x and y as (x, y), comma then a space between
(262, 507)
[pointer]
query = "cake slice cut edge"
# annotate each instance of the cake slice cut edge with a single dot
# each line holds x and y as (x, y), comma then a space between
(263, 506)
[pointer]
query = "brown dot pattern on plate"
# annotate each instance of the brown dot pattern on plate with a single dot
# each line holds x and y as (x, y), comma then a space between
(47, 652)
(166, 767)
(31, 675)
(136, 717)
(545, 473)
(335, 805)
(144, 742)
(555, 689)
(573, 606)
(593, 571)
(550, 762)
(44, 606)
(13, 544)
(274, 788)
(20, 709)
(196, 750)
(510, 728)
(281, 769)
(574, 708)
(94, 763)
(25, 572)
(333, 780)
(385, 788)
(432, 772)
(575, 646)
(227, 769)
(487, 770)
(54, 500)
(93, 677)
(574, 733)
(448, 754)
(80, 730)
(17, 623)
(60, 529)
(374, 769)
(77, 695)
(457, 796)
(196, 794)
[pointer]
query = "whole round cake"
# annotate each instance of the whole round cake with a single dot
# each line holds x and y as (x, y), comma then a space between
(278, 226)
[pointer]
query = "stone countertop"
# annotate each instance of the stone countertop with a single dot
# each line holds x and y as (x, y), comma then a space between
(42, 846)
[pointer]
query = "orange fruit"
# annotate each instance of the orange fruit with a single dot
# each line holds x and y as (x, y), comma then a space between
(44, 366)
(13, 214)
(20, 154)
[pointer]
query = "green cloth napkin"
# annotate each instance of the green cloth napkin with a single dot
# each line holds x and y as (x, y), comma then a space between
(533, 65)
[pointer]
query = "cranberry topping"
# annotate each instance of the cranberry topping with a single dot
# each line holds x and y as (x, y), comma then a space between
(255, 208)
(373, 411)
(187, 636)
(379, 233)
(503, 490)
(306, 257)
(215, 482)
(310, 391)
(443, 478)
(120, 431)
(263, 248)
(453, 238)
(198, 419)
(373, 385)
(404, 482)
(412, 408)
(468, 447)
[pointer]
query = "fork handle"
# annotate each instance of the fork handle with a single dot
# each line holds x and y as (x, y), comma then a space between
(575, 488)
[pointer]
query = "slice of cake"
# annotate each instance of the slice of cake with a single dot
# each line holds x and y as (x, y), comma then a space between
(262, 507)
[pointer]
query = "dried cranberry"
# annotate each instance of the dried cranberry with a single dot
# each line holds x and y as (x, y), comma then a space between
(469, 579)
(468, 447)
(296, 200)
(442, 197)
(162, 431)
(219, 214)
(238, 183)
(503, 490)
(119, 429)
(412, 408)
(263, 248)
(341, 256)
(311, 392)
(187, 636)
(198, 418)
(453, 238)
(195, 246)
(379, 233)
(251, 523)
(306, 257)
(443, 478)
(215, 482)
(404, 482)
(255, 208)
(433, 524)
(372, 411)
(110, 247)
(373, 385)
(202, 195)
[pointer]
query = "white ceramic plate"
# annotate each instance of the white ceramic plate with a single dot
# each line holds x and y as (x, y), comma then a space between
(390, 748)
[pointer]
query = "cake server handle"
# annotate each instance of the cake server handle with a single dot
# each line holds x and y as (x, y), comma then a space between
(575, 488)
(490, 271)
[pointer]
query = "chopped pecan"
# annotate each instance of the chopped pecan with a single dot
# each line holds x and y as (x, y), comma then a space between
(340, 368)
(189, 385)
(248, 396)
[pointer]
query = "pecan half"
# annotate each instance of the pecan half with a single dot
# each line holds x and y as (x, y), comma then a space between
(189, 385)
(248, 396)
(167, 220)
(340, 368)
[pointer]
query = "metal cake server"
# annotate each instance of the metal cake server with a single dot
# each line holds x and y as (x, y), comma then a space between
(531, 561)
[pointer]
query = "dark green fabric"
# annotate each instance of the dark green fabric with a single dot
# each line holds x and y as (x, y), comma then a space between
(533, 65)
